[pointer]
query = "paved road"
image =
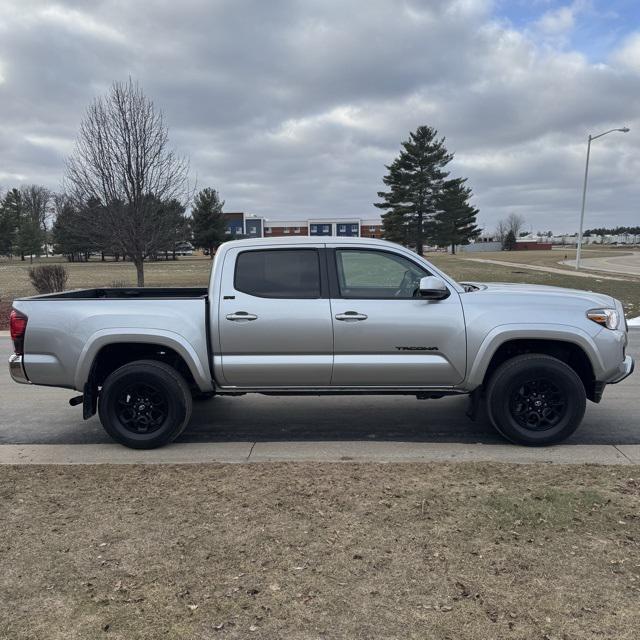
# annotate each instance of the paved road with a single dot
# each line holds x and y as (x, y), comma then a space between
(545, 268)
(628, 264)
(39, 415)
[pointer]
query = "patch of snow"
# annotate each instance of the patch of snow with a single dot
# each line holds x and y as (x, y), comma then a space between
(634, 322)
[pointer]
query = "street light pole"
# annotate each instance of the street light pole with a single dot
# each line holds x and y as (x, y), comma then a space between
(584, 189)
(584, 199)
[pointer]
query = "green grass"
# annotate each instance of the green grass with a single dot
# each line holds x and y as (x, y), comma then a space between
(547, 508)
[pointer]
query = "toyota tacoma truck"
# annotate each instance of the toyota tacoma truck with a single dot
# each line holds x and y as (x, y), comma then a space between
(313, 316)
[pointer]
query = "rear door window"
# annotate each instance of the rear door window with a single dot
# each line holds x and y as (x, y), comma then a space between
(279, 273)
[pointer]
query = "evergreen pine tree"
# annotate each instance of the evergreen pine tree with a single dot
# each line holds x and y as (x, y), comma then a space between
(9, 216)
(455, 222)
(36, 200)
(12, 215)
(208, 224)
(415, 181)
(71, 235)
(509, 242)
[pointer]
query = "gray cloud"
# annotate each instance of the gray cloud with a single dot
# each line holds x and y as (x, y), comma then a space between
(293, 108)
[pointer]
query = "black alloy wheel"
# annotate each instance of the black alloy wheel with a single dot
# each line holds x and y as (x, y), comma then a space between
(538, 404)
(535, 399)
(145, 404)
(142, 408)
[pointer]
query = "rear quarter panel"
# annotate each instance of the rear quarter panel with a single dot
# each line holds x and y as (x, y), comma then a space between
(64, 336)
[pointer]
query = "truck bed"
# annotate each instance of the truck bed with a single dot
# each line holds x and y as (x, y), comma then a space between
(146, 293)
(65, 331)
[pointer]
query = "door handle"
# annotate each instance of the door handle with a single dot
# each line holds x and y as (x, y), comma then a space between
(239, 316)
(351, 316)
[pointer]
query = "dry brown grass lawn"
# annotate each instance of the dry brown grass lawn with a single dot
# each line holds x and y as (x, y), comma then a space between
(297, 551)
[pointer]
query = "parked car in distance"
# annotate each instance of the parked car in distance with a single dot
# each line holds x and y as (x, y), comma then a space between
(305, 315)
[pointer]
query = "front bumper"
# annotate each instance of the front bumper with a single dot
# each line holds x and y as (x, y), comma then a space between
(16, 369)
(624, 371)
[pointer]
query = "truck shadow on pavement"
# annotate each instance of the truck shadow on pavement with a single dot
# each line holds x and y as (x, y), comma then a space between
(395, 418)
(383, 418)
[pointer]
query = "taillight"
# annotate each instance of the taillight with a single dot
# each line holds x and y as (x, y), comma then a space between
(17, 328)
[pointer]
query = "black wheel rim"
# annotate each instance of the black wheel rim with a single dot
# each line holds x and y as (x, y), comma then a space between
(538, 404)
(141, 408)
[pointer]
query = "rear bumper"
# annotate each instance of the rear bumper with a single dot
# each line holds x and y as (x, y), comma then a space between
(16, 369)
(624, 371)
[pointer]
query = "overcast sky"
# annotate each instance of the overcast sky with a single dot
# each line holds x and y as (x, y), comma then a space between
(291, 109)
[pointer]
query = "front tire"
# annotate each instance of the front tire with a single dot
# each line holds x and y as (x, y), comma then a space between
(144, 404)
(535, 400)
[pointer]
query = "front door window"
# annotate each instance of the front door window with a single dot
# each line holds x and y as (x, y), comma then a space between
(377, 274)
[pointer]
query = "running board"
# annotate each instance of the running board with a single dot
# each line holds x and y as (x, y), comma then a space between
(419, 392)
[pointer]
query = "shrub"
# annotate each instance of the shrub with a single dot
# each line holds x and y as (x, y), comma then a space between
(49, 278)
(119, 284)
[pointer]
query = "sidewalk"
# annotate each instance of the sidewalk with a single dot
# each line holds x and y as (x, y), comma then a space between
(348, 451)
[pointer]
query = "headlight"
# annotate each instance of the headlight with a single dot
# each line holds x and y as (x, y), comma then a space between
(606, 317)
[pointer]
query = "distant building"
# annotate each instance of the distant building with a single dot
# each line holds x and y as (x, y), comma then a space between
(251, 226)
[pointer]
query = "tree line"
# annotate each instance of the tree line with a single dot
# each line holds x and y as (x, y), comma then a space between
(33, 218)
(613, 231)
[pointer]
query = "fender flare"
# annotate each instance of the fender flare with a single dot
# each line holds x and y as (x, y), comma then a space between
(507, 332)
(169, 339)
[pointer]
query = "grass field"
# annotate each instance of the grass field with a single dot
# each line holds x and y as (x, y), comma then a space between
(320, 551)
(14, 280)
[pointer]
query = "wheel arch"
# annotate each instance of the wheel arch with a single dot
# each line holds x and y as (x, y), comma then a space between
(575, 348)
(105, 351)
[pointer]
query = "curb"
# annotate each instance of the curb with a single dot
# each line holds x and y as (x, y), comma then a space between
(334, 452)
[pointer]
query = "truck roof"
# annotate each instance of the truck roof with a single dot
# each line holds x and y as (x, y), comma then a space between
(308, 240)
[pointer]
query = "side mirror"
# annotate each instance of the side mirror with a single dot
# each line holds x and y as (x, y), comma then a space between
(433, 288)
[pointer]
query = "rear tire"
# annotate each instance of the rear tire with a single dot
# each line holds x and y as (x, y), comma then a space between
(144, 404)
(535, 400)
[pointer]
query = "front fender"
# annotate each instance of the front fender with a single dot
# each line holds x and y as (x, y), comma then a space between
(169, 339)
(504, 333)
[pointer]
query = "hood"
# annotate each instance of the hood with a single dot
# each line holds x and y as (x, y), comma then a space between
(550, 293)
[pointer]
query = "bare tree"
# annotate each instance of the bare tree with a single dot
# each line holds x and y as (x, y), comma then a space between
(122, 159)
(501, 230)
(515, 222)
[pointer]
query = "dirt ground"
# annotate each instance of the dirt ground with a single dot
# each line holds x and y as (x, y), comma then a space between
(320, 551)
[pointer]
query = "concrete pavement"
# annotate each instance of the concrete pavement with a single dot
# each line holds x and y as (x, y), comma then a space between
(381, 452)
(627, 264)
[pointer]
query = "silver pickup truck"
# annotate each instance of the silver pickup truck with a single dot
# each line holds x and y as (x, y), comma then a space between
(323, 316)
